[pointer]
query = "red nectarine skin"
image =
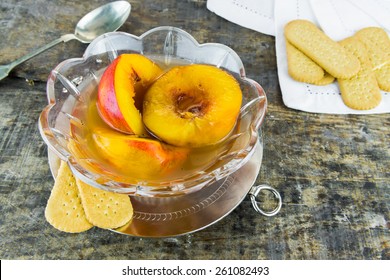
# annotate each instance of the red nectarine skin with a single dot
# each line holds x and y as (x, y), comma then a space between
(121, 91)
(111, 113)
(157, 151)
(147, 147)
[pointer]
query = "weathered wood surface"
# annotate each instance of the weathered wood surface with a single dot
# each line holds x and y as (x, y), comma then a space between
(333, 171)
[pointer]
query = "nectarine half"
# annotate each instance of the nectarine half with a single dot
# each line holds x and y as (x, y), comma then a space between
(121, 91)
(136, 157)
(193, 105)
(130, 156)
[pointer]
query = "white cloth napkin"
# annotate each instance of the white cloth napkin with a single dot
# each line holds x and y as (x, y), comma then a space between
(257, 15)
(338, 18)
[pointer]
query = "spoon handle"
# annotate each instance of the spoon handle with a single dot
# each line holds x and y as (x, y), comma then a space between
(5, 69)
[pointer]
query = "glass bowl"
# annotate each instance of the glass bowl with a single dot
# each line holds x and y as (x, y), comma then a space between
(72, 85)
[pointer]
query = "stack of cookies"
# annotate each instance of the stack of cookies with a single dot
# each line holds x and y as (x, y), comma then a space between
(75, 206)
(361, 63)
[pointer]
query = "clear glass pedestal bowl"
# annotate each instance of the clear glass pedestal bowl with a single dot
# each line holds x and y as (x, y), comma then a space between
(73, 84)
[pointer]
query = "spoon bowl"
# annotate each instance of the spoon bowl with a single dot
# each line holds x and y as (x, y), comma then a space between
(104, 19)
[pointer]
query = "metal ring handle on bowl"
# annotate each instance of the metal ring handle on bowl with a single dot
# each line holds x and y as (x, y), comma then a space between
(255, 191)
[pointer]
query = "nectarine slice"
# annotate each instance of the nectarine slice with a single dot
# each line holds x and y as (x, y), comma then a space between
(139, 158)
(121, 91)
(194, 105)
(130, 156)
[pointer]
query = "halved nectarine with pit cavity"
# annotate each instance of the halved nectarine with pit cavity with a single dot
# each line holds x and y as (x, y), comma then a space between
(194, 105)
(121, 91)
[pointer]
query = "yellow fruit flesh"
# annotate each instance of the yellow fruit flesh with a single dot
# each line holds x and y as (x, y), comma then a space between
(193, 106)
(133, 75)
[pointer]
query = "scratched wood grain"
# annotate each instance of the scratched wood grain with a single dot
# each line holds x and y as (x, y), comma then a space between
(333, 171)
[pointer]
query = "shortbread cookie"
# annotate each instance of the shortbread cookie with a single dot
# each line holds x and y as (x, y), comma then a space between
(382, 75)
(300, 67)
(64, 210)
(362, 91)
(105, 209)
(377, 43)
(326, 80)
(328, 54)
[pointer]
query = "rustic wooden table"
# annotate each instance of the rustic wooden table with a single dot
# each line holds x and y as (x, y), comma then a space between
(333, 171)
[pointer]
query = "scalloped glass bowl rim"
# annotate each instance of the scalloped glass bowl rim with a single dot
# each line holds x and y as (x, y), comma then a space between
(175, 187)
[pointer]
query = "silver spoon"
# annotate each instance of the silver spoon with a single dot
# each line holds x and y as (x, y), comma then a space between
(106, 18)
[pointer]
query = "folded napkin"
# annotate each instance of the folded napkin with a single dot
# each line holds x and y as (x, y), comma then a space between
(257, 15)
(338, 19)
